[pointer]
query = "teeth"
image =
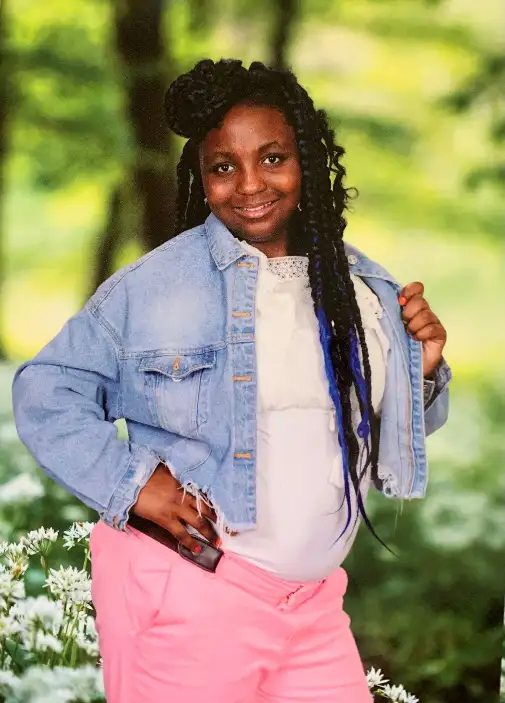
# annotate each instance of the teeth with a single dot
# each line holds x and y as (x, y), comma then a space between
(260, 207)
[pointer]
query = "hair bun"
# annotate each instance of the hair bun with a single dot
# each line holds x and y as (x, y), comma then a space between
(195, 96)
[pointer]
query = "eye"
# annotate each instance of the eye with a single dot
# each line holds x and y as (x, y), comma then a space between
(274, 159)
(223, 169)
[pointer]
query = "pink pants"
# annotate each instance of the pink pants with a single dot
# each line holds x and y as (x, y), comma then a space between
(170, 632)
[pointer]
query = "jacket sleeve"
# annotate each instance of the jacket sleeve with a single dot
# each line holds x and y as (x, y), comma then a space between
(436, 409)
(65, 402)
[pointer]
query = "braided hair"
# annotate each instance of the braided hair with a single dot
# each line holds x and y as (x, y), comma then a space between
(197, 102)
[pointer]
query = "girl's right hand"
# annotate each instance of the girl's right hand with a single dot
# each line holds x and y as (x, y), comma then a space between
(162, 501)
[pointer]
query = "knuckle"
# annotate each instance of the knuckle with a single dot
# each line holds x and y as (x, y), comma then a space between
(201, 521)
(179, 532)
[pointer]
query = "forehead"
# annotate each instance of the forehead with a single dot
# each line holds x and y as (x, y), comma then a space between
(248, 127)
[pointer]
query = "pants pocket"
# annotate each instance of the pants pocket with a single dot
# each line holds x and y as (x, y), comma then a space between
(128, 581)
(145, 588)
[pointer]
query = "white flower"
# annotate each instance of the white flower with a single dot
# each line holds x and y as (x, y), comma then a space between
(397, 694)
(39, 540)
(4, 546)
(375, 677)
(10, 589)
(16, 567)
(8, 626)
(70, 584)
(87, 636)
(39, 612)
(22, 489)
(41, 642)
(7, 681)
(87, 683)
(15, 550)
(78, 532)
(39, 684)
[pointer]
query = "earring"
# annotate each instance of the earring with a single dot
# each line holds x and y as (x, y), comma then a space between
(205, 201)
(299, 207)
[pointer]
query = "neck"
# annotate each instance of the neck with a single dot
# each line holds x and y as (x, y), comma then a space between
(271, 249)
(271, 246)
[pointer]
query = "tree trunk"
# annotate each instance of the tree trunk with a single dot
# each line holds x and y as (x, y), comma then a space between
(144, 64)
(108, 243)
(144, 205)
(4, 114)
(286, 13)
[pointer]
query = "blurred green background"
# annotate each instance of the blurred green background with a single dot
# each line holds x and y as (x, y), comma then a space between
(416, 91)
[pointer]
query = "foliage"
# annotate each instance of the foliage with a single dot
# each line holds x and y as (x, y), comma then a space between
(49, 645)
(439, 602)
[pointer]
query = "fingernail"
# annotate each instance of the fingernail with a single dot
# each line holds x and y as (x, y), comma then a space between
(402, 300)
(219, 542)
(197, 549)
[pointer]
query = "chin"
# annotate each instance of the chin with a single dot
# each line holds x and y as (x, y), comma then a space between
(261, 231)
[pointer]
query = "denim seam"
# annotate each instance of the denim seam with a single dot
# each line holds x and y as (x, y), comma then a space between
(104, 325)
(406, 368)
(137, 264)
(187, 351)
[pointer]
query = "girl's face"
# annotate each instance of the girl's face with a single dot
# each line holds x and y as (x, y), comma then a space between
(251, 175)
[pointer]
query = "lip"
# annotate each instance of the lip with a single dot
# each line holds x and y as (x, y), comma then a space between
(257, 214)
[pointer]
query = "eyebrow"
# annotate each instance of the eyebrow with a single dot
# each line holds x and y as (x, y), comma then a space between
(229, 155)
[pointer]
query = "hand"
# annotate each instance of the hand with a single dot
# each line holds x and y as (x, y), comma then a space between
(162, 501)
(423, 325)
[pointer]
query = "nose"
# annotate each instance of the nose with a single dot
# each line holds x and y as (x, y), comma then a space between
(251, 181)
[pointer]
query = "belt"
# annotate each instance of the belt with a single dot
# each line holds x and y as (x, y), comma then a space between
(207, 559)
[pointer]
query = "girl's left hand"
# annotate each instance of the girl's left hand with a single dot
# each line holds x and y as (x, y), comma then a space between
(423, 325)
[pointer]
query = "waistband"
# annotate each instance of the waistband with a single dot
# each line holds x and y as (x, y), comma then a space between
(259, 583)
(271, 589)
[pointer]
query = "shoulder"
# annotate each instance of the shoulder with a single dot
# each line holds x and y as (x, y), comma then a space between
(362, 266)
(185, 251)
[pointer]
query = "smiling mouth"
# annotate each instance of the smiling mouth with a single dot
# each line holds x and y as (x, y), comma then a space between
(256, 210)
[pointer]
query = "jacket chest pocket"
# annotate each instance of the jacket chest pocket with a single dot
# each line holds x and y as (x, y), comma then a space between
(178, 387)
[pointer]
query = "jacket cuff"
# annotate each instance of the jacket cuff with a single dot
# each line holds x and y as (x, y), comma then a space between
(140, 469)
(435, 386)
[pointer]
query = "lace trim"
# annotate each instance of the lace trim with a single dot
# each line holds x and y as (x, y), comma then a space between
(289, 267)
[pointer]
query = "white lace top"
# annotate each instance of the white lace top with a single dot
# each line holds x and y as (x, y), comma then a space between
(299, 468)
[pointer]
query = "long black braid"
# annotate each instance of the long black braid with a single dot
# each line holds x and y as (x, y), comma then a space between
(196, 103)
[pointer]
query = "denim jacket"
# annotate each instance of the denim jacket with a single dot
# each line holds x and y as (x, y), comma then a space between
(167, 343)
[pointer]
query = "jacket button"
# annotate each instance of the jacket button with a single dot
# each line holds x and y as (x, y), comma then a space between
(352, 259)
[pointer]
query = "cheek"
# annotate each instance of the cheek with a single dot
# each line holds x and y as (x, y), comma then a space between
(289, 181)
(218, 191)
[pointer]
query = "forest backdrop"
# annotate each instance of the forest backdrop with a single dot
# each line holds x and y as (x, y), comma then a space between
(416, 91)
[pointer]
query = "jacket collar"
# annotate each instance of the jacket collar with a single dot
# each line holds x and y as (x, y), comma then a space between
(226, 249)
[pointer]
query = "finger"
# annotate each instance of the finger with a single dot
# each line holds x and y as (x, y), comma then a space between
(422, 319)
(182, 535)
(205, 509)
(408, 292)
(433, 332)
(414, 306)
(200, 523)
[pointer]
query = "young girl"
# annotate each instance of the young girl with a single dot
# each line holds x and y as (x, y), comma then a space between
(268, 374)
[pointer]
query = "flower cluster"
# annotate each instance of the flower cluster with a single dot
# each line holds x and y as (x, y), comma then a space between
(381, 688)
(48, 643)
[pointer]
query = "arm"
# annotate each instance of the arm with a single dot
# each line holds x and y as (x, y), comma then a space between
(65, 401)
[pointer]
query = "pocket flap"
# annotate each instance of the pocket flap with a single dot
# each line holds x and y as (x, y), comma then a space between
(178, 366)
